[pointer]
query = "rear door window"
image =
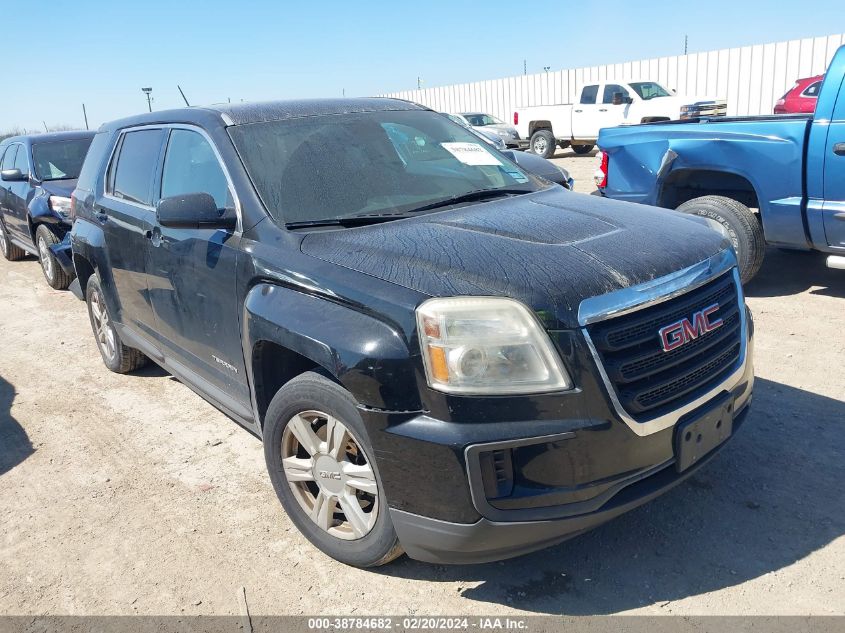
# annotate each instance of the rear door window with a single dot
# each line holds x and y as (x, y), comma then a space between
(589, 94)
(133, 173)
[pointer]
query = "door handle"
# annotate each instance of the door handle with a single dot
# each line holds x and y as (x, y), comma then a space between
(579, 110)
(602, 109)
(839, 149)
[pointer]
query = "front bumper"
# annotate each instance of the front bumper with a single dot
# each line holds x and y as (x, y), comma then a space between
(64, 255)
(477, 479)
(436, 541)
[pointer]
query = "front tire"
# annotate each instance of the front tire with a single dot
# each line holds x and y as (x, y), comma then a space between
(55, 275)
(543, 143)
(582, 149)
(10, 251)
(742, 226)
(322, 469)
(118, 357)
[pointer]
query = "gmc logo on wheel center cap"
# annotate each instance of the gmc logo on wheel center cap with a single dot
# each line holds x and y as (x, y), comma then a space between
(681, 332)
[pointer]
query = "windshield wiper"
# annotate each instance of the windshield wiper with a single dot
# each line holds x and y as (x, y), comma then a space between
(472, 196)
(354, 220)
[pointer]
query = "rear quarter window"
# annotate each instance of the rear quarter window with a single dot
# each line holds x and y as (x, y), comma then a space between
(93, 161)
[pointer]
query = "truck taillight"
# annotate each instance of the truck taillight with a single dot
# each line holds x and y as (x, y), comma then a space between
(516, 118)
(601, 172)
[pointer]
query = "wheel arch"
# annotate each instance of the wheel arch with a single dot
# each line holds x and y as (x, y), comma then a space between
(682, 185)
(541, 124)
(287, 332)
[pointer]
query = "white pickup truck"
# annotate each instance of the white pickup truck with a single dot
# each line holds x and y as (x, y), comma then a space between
(606, 104)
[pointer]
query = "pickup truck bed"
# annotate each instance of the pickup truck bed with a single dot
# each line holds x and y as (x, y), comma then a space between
(790, 169)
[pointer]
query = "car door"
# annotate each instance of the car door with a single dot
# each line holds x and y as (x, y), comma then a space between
(834, 176)
(611, 114)
(18, 196)
(126, 215)
(585, 114)
(7, 161)
(192, 274)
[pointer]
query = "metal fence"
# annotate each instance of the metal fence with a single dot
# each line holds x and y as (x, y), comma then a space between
(752, 78)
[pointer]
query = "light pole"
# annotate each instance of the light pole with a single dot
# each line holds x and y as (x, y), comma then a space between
(148, 91)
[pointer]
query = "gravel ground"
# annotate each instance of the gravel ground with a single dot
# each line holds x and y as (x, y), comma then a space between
(131, 495)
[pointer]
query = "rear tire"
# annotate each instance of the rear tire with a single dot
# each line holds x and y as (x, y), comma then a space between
(10, 251)
(55, 275)
(118, 357)
(742, 226)
(582, 149)
(313, 428)
(543, 143)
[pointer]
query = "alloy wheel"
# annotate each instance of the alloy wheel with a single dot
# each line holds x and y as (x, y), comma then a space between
(103, 330)
(540, 145)
(46, 259)
(329, 475)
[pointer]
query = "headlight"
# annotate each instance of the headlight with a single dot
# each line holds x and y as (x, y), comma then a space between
(487, 345)
(60, 204)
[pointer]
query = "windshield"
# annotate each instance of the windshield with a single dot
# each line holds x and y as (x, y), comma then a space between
(480, 120)
(59, 160)
(373, 164)
(649, 90)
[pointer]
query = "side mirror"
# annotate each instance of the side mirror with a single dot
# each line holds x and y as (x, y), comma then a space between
(13, 175)
(617, 98)
(194, 211)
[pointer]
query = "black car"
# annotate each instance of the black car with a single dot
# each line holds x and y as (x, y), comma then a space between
(442, 353)
(38, 175)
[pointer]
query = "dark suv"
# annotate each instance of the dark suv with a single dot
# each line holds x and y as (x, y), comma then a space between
(441, 352)
(38, 175)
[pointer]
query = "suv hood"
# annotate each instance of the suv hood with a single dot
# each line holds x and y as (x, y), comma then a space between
(550, 249)
(59, 187)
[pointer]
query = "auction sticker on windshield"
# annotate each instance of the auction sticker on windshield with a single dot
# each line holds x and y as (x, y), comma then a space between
(471, 154)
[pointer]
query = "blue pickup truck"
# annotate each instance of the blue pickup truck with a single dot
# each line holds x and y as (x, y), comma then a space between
(790, 169)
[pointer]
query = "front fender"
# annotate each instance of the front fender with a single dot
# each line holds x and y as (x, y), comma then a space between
(41, 213)
(368, 356)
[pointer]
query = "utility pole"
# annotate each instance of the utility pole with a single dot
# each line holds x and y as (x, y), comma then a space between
(524, 66)
(419, 83)
(148, 91)
(85, 114)
(45, 126)
(686, 41)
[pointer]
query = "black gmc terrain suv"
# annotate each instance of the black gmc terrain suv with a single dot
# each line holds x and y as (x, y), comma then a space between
(442, 353)
(38, 175)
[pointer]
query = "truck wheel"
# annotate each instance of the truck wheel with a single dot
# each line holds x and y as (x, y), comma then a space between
(582, 149)
(543, 143)
(322, 469)
(118, 357)
(54, 274)
(9, 250)
(742, 226)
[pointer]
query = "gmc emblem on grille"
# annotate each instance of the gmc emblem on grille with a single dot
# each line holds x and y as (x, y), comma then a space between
(682, 332)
